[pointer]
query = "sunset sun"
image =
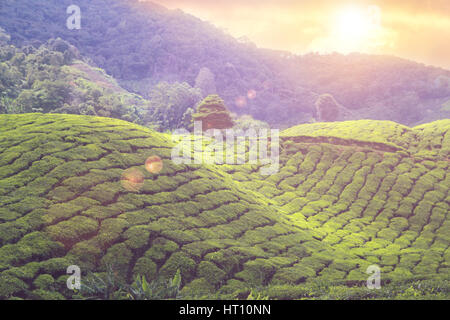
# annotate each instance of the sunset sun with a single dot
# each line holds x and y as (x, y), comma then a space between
(352, 23)
(355, 28)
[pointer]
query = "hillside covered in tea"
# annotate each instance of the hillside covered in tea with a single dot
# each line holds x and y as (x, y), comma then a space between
(348, 195)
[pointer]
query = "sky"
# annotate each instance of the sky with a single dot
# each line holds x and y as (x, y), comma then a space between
(414, 29)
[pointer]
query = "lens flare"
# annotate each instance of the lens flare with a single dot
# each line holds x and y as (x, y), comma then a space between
(267, 85)
(154, 164)
(241, 102)
(251, 94)
(132, 180)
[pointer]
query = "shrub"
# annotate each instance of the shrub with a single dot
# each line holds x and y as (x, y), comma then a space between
(213, 114)
(43, 281)
(179, 261)
(327, 108)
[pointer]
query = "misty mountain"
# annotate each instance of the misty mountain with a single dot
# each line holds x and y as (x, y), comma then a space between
(142, 44)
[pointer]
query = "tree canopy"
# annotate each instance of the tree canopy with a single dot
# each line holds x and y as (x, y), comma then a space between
(213, 113)
(171, 105)
(327, 108)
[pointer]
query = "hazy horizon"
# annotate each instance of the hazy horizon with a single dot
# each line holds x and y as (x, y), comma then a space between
(412, 30)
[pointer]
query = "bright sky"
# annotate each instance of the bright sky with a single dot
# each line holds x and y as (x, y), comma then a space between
(413, 29)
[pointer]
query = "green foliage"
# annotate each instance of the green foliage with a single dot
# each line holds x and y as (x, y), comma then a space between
(399, 290)
(309, 231)
(171, 106)
(213, 114)
(144, 44)
(108, 286)
(105, 286)
(156, 290)
(44, 281)
(179, 261)
(50, 80)
(327, 108)
(247, 122)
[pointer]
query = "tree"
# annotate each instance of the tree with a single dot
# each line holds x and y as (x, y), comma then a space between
(213, 114)
(327, 108)
(5, 104)
(10, 79)
(206, 82)
(69, 52)
(171, 105)
(247, 122)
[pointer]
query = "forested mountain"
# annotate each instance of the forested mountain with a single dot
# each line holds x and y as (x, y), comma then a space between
(142, 44)
(52, 79)
(375, 87)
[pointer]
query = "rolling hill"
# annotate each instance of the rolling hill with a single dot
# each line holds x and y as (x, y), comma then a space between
(74, 190)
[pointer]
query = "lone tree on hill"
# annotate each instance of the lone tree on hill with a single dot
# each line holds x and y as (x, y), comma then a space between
(213, 114)
(327, 108)
(206, 82)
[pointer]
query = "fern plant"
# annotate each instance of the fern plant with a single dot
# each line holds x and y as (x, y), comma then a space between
(158, 289)
(110, 287)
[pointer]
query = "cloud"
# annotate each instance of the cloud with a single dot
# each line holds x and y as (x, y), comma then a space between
(415, 29)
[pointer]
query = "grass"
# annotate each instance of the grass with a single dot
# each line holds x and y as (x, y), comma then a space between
(348, 195)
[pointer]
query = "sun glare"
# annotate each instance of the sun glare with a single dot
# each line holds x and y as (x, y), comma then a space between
(356, 28)
(352, 23)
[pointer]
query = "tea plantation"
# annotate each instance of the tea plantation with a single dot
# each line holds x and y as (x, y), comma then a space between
(74, 190)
